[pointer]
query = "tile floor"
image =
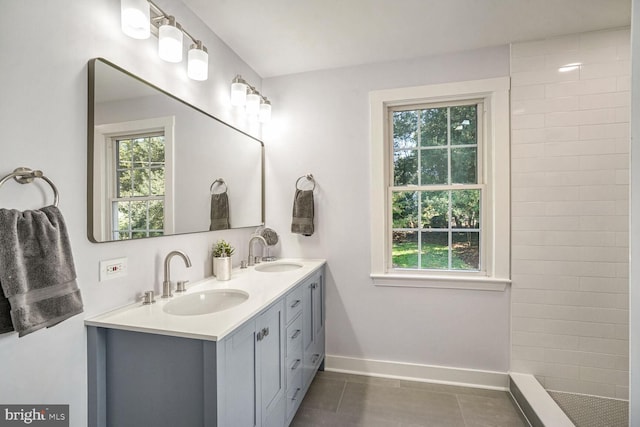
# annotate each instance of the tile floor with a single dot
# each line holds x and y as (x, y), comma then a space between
(338, 400)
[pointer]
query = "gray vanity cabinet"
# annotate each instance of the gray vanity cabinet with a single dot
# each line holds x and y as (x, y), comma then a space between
(254, 377)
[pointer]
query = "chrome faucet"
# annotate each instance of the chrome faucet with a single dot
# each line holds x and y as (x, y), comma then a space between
(166, 284)
(261, 239)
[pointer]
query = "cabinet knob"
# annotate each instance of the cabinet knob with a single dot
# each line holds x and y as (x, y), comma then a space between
(265, 331)
(259, 336)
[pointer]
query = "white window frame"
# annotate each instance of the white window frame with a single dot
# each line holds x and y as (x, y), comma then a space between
(496, 240)
(103, 188)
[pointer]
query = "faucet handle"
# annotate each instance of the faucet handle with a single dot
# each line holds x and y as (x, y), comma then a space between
(148, 298)
(181, 285)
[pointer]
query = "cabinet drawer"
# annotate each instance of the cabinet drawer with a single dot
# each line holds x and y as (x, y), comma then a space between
(294, 394)
(293, 303)
(294, 337)
(294, 367)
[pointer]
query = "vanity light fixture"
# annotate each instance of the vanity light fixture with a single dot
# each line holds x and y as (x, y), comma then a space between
(170, 40)
(264, 115)
(135, 18)
(255, 104)
(198, 62)
(142, 17)
(239, 89)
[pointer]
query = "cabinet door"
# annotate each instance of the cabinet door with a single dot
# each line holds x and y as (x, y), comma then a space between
(270, 351)
(239, 385)
(313, 326)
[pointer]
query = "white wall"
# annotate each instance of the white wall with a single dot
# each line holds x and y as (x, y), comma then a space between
(45, 47)
(321, 126)
(570, 201)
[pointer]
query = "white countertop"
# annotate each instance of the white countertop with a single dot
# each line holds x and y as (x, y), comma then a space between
(263, 288)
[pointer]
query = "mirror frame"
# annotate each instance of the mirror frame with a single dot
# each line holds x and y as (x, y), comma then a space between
(91, 149)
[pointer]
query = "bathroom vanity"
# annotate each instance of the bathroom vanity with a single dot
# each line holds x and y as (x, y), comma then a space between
(248, 365)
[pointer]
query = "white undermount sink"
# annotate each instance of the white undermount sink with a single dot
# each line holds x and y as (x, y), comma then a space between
(277, 267)
(206, 302)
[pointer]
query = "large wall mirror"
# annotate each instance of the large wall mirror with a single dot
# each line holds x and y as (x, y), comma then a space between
(158, 166)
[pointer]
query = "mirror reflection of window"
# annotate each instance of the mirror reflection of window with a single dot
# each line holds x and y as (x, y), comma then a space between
(135, 198)
(139, 186)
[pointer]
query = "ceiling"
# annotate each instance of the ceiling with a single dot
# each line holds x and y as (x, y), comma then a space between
(278, 37)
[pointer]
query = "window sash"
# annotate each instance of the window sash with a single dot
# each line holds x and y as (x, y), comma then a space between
(115, 192)
(420, 188)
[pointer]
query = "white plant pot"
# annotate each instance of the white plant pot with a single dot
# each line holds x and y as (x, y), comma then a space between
(222, 267)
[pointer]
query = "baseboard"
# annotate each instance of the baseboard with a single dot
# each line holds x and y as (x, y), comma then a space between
(415, 372)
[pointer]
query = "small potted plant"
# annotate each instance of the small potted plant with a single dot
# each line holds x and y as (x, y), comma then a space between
(222, 252)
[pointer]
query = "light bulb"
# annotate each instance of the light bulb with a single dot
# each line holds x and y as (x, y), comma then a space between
(238, 92)
(135, 18)
(264, 115)
(253, 103)
(170, 40)
(198, 62)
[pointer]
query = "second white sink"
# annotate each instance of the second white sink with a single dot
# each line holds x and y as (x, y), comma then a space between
(206, 302)
(277, 267)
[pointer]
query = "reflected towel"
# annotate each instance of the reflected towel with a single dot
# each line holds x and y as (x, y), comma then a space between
(219, 212)
(302, 222)
(37, 273)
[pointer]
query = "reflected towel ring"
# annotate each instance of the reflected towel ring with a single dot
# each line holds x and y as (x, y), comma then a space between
(26, 175)
(218, 181)
(308, 177)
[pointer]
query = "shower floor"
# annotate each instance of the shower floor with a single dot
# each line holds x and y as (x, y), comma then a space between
(592, 411)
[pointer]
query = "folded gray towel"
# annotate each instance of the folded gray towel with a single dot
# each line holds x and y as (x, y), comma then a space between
(219, 212)
(302, 222)
(37, 273)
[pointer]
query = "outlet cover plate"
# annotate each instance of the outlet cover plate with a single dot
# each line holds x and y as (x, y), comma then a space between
(113, 268)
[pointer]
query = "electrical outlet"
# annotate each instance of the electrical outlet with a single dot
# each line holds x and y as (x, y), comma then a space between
(113, 268)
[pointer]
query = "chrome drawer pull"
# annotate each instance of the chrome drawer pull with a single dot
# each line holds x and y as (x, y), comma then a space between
(295, 334)
(295, 365)
(295, 395)
(295, 303)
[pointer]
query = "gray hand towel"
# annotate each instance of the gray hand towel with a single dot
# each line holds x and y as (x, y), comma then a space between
(37, 273)
(302, 222)
(219, 212)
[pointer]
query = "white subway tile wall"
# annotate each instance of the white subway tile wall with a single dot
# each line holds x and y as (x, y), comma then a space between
(570, 201)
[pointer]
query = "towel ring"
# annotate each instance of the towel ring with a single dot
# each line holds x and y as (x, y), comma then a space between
(308, 177)
(218, 181)
(26, 176)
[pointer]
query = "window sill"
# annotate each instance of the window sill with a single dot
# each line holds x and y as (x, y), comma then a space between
(444, 282)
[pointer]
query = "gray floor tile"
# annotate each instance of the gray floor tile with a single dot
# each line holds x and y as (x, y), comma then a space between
(324, 394)
(362, 379)
(408, 406)
(482, 411)
(309, 417)
(444, 388)
(336, 400)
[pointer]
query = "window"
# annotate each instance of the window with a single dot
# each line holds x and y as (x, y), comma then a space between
(134, 194)
(437, 186)
(139, 186)
(440, 185)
